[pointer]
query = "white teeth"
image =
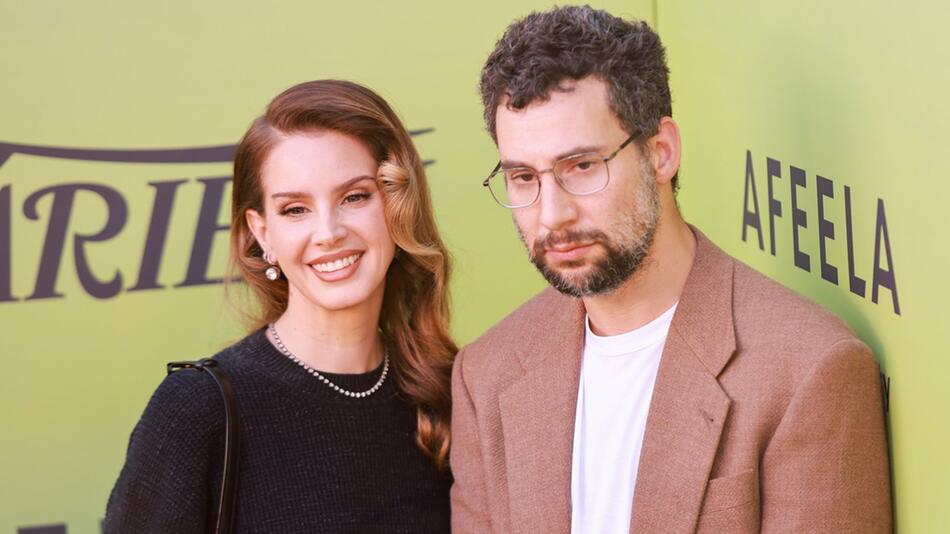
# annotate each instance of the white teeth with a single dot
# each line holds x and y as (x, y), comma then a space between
(331, 266)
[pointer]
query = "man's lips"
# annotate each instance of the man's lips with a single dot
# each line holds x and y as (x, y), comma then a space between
(568, 251)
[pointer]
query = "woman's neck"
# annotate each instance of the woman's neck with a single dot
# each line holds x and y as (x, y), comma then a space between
(335, 341)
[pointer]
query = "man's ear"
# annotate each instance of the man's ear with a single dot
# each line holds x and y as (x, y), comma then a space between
(665, 150)
(258, 225)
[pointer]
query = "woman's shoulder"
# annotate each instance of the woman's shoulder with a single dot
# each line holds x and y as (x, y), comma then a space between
(242, 355)
(186, 404)
(190, 397)
(164, 482)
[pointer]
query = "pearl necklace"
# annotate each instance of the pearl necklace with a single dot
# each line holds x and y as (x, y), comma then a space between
(356, 394)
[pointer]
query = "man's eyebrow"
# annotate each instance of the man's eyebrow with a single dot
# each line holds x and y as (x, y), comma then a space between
(508, 163)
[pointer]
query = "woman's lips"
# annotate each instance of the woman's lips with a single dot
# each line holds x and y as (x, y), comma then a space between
(339, 269)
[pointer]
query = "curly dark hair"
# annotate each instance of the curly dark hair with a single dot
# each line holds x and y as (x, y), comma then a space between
(541, 50)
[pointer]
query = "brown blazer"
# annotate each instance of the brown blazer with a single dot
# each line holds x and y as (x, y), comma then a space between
(766, 415)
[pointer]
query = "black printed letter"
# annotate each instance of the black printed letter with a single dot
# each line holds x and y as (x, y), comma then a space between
(774, 168)
(799, 219)
(751, 218)
(883, 277)
(855, 283)
(63, 197)
(6, 246)
(157, 231)
(205, 231)
(826, 228)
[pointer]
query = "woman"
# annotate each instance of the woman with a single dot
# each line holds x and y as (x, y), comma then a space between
(342, 388)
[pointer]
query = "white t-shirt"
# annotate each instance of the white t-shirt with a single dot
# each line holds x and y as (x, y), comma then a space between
(613, 399)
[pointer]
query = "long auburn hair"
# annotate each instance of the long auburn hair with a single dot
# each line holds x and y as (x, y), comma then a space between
(415, 312)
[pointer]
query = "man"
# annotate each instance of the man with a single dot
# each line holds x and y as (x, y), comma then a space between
(660, 386)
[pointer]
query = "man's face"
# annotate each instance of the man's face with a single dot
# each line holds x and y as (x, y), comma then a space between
(582, 245)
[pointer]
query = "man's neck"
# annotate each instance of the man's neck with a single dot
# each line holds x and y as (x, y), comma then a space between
(654, 288)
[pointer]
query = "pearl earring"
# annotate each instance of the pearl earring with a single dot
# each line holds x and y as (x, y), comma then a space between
(273, 272)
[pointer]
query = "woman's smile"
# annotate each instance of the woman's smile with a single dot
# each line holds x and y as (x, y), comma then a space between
(339, 269)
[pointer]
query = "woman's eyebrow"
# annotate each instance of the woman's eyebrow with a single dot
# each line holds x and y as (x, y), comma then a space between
(349, 183)
(290, 194)
(303, 194)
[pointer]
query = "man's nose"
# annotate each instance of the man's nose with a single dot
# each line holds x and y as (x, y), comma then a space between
(556, 205)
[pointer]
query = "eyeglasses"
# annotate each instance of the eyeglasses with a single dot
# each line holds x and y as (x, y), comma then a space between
(580, 174)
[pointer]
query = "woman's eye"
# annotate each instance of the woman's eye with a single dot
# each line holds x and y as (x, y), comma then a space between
(355, 197)
(293, 210)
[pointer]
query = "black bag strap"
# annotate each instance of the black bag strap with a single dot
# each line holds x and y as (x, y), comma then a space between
(224, 524)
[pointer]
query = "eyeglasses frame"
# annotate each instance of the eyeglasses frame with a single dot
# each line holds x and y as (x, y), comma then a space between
(557, 178)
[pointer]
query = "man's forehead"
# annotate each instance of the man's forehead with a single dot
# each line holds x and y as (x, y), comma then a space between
(589, 90)
(578, 115)
(566, 85)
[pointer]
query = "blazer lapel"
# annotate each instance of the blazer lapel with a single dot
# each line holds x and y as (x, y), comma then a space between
(537, 414)
(688, 409)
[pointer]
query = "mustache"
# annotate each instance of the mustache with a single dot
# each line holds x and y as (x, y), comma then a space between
(564, 237)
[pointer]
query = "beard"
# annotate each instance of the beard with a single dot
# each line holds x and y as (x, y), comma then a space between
(627, 246)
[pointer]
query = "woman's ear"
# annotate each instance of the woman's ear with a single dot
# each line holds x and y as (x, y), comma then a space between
(258, 226)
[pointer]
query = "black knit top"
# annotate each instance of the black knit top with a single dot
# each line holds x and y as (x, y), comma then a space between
(312, 460)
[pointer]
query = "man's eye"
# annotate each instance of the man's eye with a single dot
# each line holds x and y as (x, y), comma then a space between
(584, 165)
(521, 177)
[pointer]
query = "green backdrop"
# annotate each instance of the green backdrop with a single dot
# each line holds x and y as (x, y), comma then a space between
(100, 74)
(853, 92)
(849, 92)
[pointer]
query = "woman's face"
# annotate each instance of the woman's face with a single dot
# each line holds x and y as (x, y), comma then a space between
(323, 220)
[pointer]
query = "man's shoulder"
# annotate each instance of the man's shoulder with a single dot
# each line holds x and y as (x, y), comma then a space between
(502, 347)
(773, 319)
(765, 313)
(527, 317)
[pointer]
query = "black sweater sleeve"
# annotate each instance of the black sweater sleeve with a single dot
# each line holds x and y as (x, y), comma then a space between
(173, 461)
